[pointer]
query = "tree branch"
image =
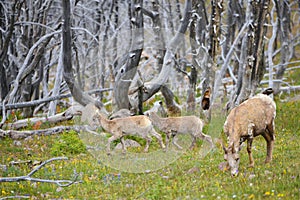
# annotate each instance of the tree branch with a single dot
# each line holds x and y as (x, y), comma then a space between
(16, 135)
(61, 183)
(46, 100)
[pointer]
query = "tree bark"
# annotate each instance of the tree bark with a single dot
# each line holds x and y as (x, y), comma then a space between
(68, 75)
(38, 121)
(252, 47)
(17, 135)
(4, 49)
(126, 71)
(283, 12)
(57, 84)
(173, 109)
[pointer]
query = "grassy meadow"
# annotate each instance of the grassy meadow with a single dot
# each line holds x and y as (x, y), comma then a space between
(190, 176)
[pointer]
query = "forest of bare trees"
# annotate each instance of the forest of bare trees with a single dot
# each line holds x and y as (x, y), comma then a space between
(122, 52)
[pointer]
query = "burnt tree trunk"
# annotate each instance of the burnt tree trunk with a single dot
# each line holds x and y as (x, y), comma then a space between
(4, 86)
(173, 109)
(191, 99)
(214, 51)
(127, 70)
(252, 66)
(68, 75)
(169, 60)
(283, 12)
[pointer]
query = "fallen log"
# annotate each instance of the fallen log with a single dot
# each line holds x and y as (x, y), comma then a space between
(16, 135)
(64, 116)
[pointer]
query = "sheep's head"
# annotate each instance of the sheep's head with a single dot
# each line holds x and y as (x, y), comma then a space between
(233, 159)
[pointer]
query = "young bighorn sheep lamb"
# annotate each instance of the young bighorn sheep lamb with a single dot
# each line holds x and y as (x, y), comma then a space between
(251, 118)
(134, 125)
(180, 125)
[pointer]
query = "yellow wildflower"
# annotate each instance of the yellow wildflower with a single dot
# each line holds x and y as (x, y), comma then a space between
(280, 195)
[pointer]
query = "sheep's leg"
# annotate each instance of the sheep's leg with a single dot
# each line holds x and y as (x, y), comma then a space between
(168, 136)
(249, 150)
(110, 140)
(269, 137)
(270, 145)
(194, 138)
(148, 141)
(175, 139)
(206, 138)
(158, 137)
(124, 148)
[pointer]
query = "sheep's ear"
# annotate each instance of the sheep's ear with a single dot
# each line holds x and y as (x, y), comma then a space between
(224, 148)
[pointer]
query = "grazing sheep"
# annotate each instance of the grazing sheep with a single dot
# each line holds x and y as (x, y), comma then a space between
(251, 118)
(135, 125)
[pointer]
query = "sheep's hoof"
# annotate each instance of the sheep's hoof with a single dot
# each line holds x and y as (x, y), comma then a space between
(267, 161)
(251, 165)
(108, 153)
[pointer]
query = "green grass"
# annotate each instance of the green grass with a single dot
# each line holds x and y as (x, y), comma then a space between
(278, 180)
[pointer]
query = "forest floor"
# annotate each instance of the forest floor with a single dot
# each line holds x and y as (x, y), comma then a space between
(188, 177)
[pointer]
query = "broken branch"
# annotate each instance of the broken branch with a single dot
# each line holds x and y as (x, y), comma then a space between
(61, 183)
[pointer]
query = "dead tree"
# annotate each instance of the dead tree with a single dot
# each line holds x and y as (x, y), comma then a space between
(252, 56)
(284, 30)
(68, 75)
(169, 62)
(213, 49)
(126, 70)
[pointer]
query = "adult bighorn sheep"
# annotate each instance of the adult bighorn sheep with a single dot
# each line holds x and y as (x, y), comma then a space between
(251, 118)
(180, 125)
(139, 125)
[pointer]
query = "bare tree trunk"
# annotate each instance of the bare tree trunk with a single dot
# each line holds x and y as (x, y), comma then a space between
(57, 84)
(68, 75)
(252, 67)
(260, 30)
(191, 99)
(4, 87)
(182, 50)
(169, 16)
(214, 50)
(173, 109)
(283, 12)
(154, 85)
(159, 36)
(274, 22)
(202, 22)
(126, 72)
(235, 20)
(106, 25)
